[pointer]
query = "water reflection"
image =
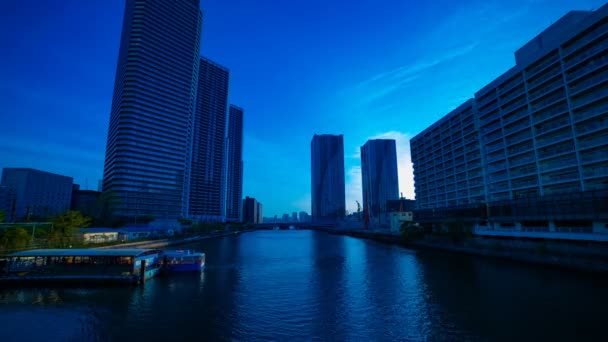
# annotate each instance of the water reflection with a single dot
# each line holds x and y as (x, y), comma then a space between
(302, 285)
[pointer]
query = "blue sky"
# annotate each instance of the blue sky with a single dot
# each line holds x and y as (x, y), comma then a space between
(367, 68)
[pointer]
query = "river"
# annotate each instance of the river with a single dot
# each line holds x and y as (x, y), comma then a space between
(306, 285)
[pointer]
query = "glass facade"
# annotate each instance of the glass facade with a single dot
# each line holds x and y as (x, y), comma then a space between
(379, 177)
(235, 164)
(207, 197)
(148, 148)
(327, 172)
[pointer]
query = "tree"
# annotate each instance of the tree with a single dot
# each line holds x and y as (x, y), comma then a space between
(64, 226)
(2, 216)
(14, 238)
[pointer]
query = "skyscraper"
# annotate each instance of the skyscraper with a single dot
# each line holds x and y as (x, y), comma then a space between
(234, 149)
(327, 173)
(207, 197)
(379, 177)
(147, 153)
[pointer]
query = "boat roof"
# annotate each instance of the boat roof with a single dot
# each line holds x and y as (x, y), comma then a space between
(133, 252)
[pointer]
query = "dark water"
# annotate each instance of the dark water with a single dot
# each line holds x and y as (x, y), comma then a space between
(303, 285)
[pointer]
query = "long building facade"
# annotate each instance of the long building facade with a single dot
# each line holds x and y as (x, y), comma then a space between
(379, 174)
(208, 169)
(528, 156)
(327, 177)
(148, 152)
(234, 151)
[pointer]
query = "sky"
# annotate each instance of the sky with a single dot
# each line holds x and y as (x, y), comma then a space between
(365, 69)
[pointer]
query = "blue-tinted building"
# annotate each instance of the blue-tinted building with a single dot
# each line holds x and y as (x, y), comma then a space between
(207, 195)
(528, 155)
(234, 148)
(151, 123)
(327, 177)
(34, 194)
(379, 177)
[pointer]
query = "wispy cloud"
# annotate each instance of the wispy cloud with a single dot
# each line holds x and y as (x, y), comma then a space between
(404, 166)
(388, 82)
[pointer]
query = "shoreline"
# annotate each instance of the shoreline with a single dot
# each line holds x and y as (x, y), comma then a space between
(170, 242)
(493, 248)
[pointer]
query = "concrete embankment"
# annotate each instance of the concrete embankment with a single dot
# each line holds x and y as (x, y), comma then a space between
(562, 254)
(171, 242)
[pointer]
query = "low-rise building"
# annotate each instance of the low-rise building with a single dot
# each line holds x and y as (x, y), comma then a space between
(99, 235)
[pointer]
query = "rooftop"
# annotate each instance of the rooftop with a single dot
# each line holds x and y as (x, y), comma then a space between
(82, 252)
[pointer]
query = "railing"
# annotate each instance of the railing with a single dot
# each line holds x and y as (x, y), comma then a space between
(560, 95)
(549, 60)
(548, 126)
(593, 141)
(553, 138)
(599, 31)
(507, 86)
(524, 182)
(551, 151)
(550, 112)
(514, 116)
(588, 52)
(521, 160)
(589, 82)
(596, 170)
(514, 105)
(513, 95)
(520, 148)
(550, 87)
(591, 111)
(591, 126)
(518, 137)
(598, 93)
(592, 64)
(539, 80)
(509, 129)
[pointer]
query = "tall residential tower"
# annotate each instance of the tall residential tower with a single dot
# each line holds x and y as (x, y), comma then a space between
(379, 177)
(327, 173)
(148, 146)
(207, 197)
(234, 150)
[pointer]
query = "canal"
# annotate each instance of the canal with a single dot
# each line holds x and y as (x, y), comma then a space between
(305, 285)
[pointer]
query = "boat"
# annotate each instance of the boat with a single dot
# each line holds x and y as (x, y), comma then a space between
(183, 261)
(80, 266)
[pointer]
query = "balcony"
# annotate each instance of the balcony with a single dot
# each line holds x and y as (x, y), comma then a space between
(514, 105)
(593, 156)
(543, 103)
(566, 175)
(555, 137)
(591, 51)
(492, 137)
(548, 61)
(558, 163)
(523, 171)
(514, 116)
(520, 148)
(591, 111)
(552, 125)
(590, 126)
(596, 171)
(494, 147)
(517, 126)
(510, 84)
(495, 157)
(546, 89)
(521, 160)
(554, 150)
(579, 42)
(550, 74)
(551, 112)
(487, 98)
(587, 67)
(524, 182)
(593, 140)
(520, 91)
(562, 188)
(589, 82)
(590, 97)
(518, 137)
(498, 176)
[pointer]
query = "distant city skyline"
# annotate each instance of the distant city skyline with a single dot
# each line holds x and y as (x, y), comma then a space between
(409, 66)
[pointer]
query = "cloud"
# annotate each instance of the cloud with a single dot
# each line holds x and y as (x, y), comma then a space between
(404, 167)
(387, 82)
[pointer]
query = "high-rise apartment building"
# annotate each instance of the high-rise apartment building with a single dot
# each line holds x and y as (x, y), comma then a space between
(34, 194)
(207, 196)
(532, 146)
(234, 150)
(149, 139)
(327, 173)
(252, 210)
(379, 177)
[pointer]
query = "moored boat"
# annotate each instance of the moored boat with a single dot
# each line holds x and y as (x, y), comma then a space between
(183, 261)
(63, 266)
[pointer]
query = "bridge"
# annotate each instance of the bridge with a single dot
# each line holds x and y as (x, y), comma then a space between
(295, 225)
